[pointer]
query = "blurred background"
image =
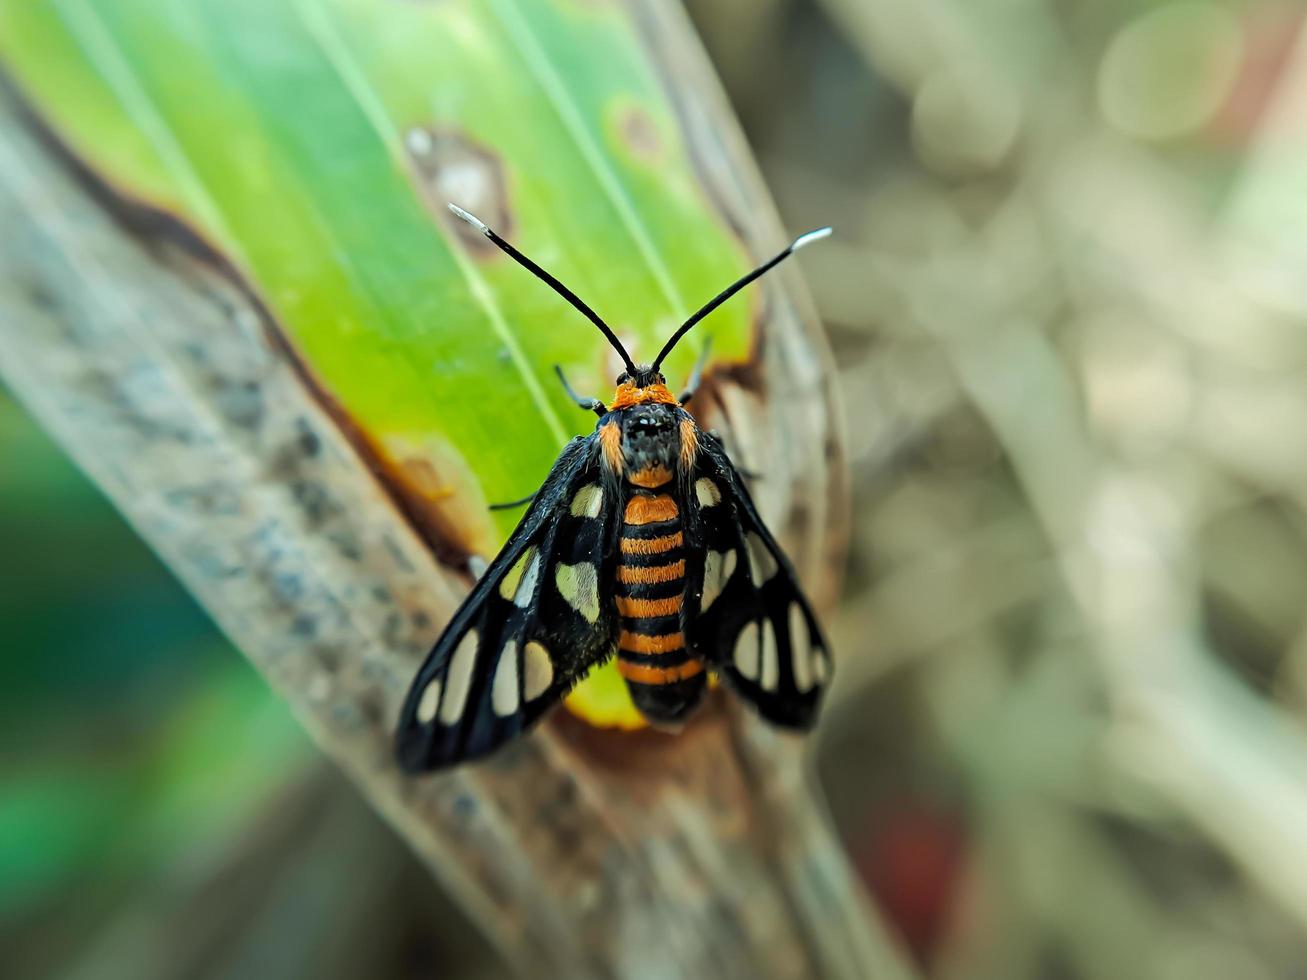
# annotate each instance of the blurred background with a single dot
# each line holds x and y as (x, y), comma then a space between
(1067, 735)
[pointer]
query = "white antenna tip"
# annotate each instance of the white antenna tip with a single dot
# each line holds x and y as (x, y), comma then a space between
(810, 237)
(471, 219)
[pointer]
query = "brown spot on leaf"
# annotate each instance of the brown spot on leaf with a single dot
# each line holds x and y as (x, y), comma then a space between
(439, 491)
(639, 133)
(450, 168)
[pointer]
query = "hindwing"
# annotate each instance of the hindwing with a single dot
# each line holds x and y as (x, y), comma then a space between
(746, 613)
(536, 622)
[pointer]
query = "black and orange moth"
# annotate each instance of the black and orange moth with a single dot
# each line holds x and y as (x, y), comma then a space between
(643, 543)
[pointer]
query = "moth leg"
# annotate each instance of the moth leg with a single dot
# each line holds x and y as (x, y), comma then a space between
(510, 504)
(589, 404)
(696, 375)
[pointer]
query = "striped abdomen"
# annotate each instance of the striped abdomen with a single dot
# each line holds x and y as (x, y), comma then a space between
(666, 681)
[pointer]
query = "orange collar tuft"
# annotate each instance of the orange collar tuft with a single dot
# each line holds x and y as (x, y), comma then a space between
(628, 394)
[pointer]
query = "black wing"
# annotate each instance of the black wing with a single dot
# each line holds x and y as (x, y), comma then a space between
(745, 613)
(533, 626)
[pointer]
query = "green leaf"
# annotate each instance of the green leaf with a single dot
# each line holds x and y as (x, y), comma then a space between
(290, 136)
(196, 774)
(314, 144)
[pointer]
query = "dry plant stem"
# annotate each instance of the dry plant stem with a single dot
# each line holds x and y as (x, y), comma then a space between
(161, 377)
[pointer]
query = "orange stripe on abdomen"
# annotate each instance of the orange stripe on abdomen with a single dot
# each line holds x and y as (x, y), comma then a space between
(642, 643)
(652, 546)
(650, 477)
(642, 674)
(648, 608)
(648, 575)
(641, 509)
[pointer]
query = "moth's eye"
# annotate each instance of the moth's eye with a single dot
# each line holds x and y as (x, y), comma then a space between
(623, 378)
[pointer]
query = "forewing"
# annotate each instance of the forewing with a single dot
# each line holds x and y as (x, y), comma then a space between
(534, 624)
(746, 614)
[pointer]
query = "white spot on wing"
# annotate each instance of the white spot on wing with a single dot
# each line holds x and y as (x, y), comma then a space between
(589, 501)
(820, 665)
(429, 701)
(746, 651)
(706, 492)
(538, 671)
(508, 585)
(762, 566)
(503, 693)
(459, 678)
(717, 571)
(579, 585)
(771, 670)
(526, 588)
(800, 650)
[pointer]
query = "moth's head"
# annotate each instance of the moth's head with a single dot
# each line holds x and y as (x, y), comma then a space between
(651, 441)
(643, 386)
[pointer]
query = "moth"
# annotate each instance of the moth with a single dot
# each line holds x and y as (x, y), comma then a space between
(642, 543)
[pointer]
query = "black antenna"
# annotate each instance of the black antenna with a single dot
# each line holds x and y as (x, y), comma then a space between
(558, 287)
(735, 287)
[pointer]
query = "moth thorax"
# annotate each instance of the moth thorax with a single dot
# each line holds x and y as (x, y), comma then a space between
(651, 442)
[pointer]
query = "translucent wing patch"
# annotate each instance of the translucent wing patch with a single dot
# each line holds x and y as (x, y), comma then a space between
(746, 615)
(532, 627)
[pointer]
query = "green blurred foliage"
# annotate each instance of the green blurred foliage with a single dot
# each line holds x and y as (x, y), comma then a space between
(130, 732)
